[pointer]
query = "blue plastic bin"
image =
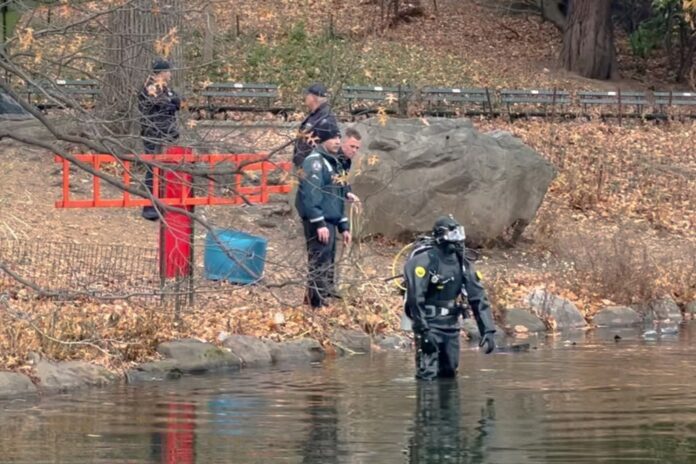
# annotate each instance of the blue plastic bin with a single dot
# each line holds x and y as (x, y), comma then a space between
(247, 250)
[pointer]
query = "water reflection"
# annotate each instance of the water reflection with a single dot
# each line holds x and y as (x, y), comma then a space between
(175, 443)
(321, 444)
(440, 432)
(599, 400)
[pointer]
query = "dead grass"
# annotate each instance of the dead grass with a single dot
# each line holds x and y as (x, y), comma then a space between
(626, 270)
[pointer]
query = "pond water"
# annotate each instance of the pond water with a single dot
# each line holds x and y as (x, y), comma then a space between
(588, 399)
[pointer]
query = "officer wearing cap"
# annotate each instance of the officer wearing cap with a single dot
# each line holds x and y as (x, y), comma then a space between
(158, 105)
(320, 203)
(436, 278)
(319, 112)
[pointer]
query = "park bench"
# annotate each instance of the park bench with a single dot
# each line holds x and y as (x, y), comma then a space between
(456, 101)
(83, 91)
(364, 100)
(534, 102)
(221, 97)
(616, 99)
(676, 103)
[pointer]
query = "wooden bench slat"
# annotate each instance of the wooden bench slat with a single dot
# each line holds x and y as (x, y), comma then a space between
(240, 85)
(375, 88)
(611, 94)
(454, 98)
(453, 90)
(239, 94)
(384, 97)
(623, 101)
(90, 82)
(544, 100)
(82, 91)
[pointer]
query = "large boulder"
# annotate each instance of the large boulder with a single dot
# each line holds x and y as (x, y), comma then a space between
(13, 384)
(562, 313)
(414, 172)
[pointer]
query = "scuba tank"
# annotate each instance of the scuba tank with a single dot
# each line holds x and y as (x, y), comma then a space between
(422, 245)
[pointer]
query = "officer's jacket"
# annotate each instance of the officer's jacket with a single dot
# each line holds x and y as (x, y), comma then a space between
(302, 146)
(435, 280)
(321, 195)
(346, 164)
(158, 106)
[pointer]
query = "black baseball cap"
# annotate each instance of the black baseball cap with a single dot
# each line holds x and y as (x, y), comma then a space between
(317, 89)
(160, 64)
(326, 129)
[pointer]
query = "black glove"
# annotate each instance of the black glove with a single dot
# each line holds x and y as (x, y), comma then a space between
(428, 345)
(488, 340)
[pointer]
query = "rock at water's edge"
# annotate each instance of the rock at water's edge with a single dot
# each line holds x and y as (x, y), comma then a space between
(565, 314)
(13, 384)
(304, 350)
(616, 316)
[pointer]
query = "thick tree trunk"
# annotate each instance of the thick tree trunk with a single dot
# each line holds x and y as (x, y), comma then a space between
(588, 42)
(139, 32)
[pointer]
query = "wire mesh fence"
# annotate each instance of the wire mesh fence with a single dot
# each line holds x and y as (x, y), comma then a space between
(95, 270)
(68, 271)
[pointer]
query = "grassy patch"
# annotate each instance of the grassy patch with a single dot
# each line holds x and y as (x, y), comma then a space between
(296, 58)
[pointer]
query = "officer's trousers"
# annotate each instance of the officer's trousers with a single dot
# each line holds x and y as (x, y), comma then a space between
(444, 361)
(151, 148)
(321, 258)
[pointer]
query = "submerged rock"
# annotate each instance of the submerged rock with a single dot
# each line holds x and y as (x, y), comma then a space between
(471, 330)
(351, 341)
(13, 384)
(563, 312)
(303, 350)
(523, 321)
(393, 342)
(617, 316)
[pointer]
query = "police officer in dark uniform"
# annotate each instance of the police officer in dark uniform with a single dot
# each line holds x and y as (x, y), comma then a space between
(158, 105)
(435, 279)
(319, 113)
(320, 203)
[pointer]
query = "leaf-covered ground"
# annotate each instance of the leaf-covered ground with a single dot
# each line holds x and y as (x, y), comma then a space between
(618, 226)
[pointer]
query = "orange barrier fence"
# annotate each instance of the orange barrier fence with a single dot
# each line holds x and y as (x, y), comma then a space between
(241, 167)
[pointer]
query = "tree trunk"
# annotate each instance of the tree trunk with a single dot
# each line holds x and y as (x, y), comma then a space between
(139, 32)
(210, 33)
(588, 42)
